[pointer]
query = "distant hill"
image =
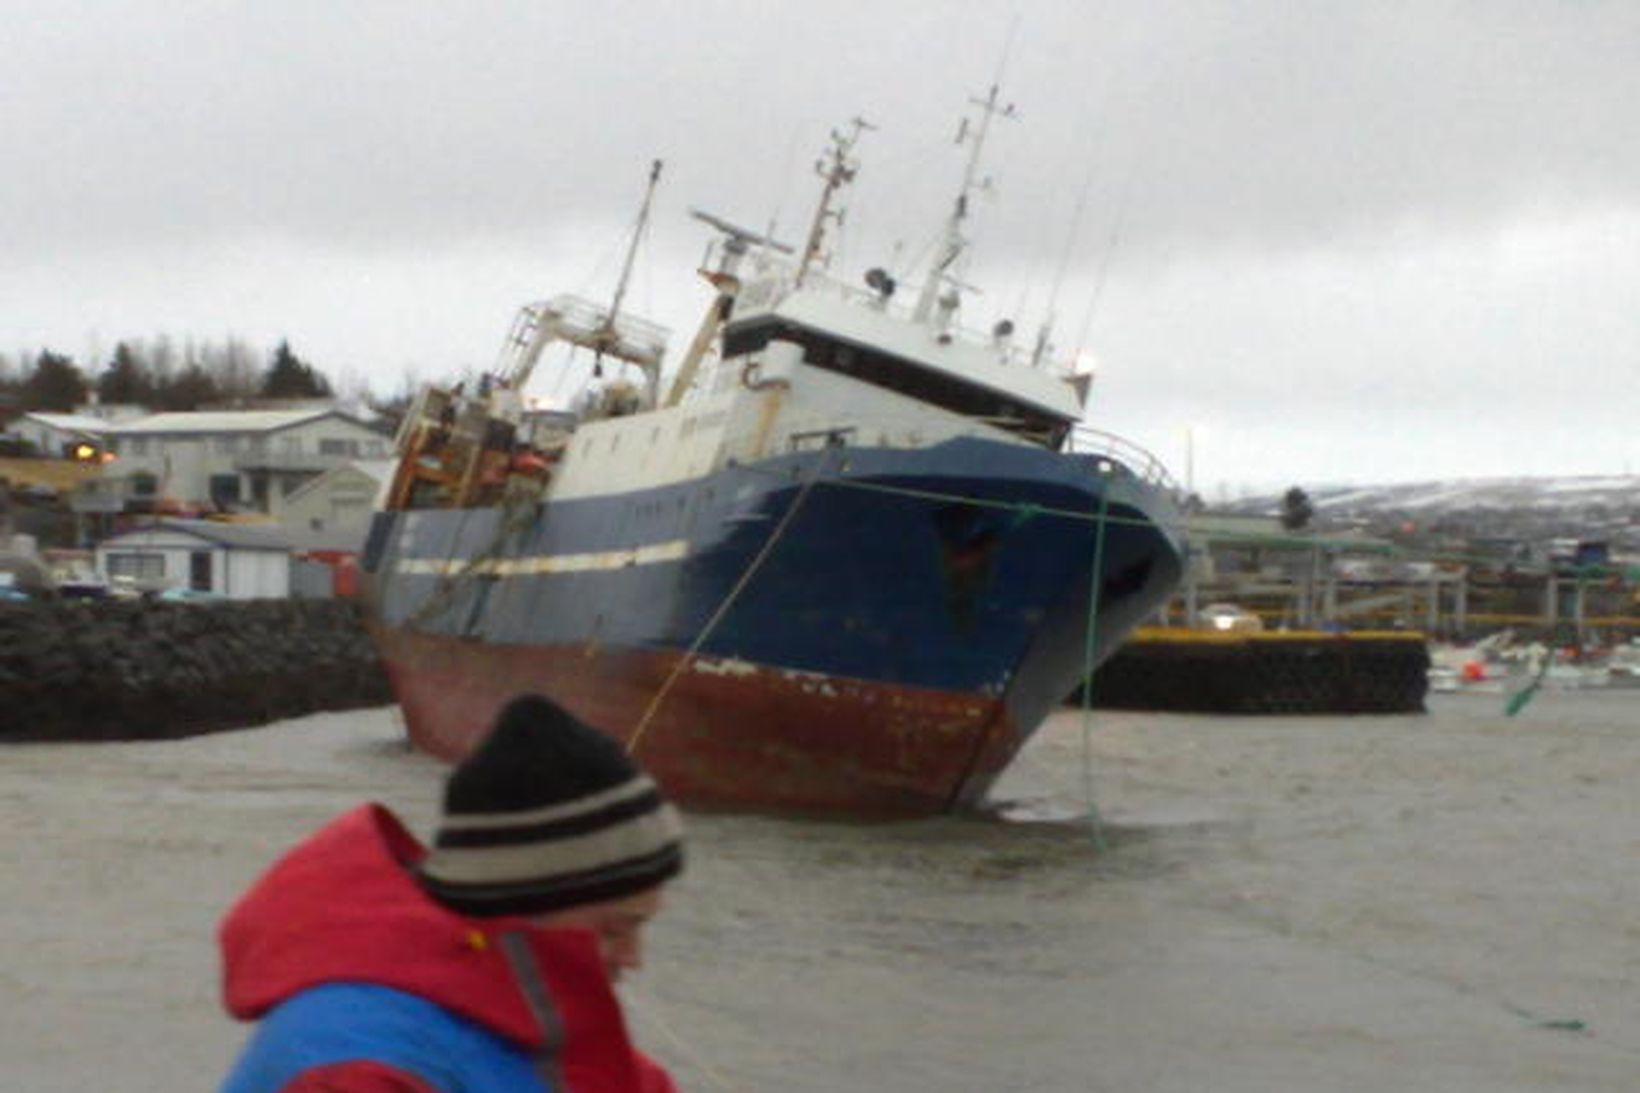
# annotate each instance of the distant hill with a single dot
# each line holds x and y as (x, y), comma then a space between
(1576, 498)
(1452, 514)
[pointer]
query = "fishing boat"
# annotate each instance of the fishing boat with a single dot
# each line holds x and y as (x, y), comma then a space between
(843, 559)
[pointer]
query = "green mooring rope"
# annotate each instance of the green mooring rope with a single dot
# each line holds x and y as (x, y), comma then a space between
(1022, 510)
(1094, 588)
(1101, 519)
(1517, 701)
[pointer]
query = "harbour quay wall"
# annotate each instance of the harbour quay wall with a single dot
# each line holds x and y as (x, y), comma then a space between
(137, 670)
(1192, 671)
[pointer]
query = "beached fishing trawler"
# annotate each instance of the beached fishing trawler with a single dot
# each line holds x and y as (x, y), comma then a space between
(844, 559)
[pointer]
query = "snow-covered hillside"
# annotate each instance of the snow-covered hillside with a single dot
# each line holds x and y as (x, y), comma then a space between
(1575, 499)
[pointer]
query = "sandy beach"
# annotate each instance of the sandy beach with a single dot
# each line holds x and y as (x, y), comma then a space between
(1422, 902)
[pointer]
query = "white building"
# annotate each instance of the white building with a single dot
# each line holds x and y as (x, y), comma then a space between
(340, 500)
(54, 435)
(236, 460)
(238, 561)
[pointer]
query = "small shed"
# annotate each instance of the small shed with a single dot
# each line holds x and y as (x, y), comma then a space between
(238, 561)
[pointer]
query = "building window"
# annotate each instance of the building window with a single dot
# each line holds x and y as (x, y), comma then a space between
(901, 375)
(139, 445)
(144, 484)
(226, 445)
(337, 446)
(135, 566)
(224, 490)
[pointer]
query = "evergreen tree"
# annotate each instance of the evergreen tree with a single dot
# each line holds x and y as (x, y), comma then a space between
(1296, 509)
(54, 385)
(290, 377)
(192, 388)
(126, 382)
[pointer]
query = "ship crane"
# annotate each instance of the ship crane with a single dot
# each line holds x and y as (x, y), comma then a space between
(580, 322)
(456, 448)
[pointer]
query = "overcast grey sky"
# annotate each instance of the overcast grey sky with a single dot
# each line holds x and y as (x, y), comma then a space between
(1319, 242)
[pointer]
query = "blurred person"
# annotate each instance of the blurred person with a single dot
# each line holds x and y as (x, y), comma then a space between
(373, 964)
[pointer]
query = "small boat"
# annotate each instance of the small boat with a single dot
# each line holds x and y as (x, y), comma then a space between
(843, 559)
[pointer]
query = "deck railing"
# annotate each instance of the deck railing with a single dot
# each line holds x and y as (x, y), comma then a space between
(1086, 440)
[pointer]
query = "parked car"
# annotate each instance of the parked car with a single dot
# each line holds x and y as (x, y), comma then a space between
(84, 590)
(190, 595)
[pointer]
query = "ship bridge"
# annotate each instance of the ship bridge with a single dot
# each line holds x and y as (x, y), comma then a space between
(856, 334)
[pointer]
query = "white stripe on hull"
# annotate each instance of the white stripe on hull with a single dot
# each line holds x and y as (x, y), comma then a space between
(671, 551)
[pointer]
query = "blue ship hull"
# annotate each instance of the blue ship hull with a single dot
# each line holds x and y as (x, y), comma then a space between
(846, 630)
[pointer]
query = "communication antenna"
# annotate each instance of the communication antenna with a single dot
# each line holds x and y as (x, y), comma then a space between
(1046, 332)
(954, 243)
(838, 170)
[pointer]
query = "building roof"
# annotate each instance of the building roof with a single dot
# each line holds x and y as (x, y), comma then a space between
(242, 536)
(223, 421)
(346, 539)
(377, 470)
(69, 423)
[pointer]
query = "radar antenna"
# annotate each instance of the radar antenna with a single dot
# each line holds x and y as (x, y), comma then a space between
(739, 240)
(726, 280)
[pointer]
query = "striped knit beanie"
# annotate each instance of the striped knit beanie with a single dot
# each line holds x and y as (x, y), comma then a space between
(548, 813)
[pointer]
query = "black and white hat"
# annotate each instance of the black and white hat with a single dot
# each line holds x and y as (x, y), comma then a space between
(548, 813)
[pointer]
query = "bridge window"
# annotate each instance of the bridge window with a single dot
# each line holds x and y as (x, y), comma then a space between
(902, 376)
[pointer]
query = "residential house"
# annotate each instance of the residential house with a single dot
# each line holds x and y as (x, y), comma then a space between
(61, 502)
(55, 436)
(237, 561)
(340, 500)
(235, 460)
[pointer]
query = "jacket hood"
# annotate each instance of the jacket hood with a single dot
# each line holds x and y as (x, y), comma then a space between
(342, 905)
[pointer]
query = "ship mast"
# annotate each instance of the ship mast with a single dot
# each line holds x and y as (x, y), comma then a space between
(838, 170)
(954, 243)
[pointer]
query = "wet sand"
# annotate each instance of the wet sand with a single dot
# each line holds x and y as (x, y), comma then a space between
(1423, 902)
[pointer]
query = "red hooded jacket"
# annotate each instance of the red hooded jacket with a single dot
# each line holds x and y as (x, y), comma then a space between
(342, 907)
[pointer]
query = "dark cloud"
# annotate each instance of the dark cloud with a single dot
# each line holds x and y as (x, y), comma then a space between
(1214, 122)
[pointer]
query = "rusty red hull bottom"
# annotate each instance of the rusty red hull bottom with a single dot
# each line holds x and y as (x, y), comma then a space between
(726, 734)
